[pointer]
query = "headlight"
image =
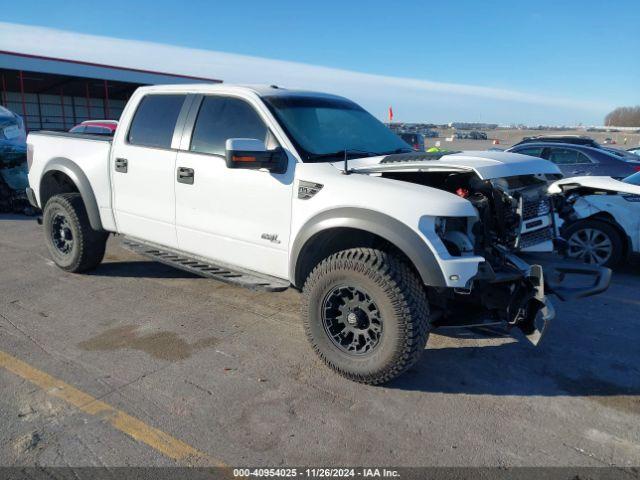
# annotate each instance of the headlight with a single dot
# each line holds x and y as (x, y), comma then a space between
(453, 233)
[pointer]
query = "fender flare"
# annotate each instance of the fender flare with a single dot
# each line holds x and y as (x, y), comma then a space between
(392, 230)
(78, 177)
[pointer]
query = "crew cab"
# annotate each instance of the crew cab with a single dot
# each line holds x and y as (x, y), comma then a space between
(272, 188)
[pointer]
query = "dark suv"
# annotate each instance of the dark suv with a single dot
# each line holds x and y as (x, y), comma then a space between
(578, 140)
(577, 160)
(571, 139)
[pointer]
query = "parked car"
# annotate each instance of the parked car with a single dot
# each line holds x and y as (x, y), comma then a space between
(609, 141)
(576, 140)
(576, 160)
(477, 135)
(431, 133)
(416, 140)
(270, 188)
(96, 127)
(605, 225)
(13, 164)
(12, 129)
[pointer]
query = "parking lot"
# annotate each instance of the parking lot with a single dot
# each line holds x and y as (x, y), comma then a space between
(140, 364)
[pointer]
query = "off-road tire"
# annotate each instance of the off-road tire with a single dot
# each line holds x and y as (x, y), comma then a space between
(88, 244)
(611, 232)
(402, 302)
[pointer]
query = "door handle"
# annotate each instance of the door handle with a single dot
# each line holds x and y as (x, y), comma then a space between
(122, 165)
(185, 175)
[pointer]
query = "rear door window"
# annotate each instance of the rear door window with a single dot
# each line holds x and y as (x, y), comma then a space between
(155, 120)
(221, 118)
(567, 156)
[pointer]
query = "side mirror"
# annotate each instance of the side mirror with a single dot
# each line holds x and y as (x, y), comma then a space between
(252, 154)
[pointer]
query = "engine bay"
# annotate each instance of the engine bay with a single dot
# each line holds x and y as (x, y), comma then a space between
(515, 213)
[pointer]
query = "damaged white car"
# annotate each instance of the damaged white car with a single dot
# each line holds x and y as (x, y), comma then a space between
(603, 226)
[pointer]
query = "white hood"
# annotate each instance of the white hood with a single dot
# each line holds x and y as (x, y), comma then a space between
(607, 184)
(486, 164)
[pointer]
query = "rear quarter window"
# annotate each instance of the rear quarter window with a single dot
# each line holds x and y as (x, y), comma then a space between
(155, 120)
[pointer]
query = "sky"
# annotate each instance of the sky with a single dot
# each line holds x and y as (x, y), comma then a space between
(542, 62)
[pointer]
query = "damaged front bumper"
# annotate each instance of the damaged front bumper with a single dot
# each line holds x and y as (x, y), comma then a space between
(532, 311)
(517, 293)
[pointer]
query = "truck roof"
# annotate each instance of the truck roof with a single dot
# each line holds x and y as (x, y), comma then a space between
(260, 90)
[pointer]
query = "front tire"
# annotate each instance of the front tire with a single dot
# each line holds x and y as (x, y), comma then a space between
(366, 314)
(74, 246)
(594, 242)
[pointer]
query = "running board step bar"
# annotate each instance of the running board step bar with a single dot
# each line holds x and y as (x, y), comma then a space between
(204, 268)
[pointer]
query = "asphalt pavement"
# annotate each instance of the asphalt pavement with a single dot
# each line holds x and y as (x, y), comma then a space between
(140, 364)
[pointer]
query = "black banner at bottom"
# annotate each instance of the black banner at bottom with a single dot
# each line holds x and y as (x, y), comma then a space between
(397, 473)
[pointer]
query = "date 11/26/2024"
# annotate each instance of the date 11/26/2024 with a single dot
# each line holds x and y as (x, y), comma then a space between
(316, 472)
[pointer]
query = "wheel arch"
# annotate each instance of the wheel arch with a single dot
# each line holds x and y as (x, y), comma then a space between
(342, 228)
(61, 175)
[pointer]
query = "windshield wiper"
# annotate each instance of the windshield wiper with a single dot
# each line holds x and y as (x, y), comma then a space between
(341, 154)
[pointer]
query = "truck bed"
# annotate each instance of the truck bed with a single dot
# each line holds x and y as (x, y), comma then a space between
(85, 154)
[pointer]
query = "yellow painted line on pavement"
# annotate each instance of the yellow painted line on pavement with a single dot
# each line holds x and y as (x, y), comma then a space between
(137, 429)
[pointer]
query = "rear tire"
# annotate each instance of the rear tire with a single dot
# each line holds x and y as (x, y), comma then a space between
(595, 242)
(74, 246)
(366, 314)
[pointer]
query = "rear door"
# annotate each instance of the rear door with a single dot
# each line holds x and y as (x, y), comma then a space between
(571, 161)
(143, 170)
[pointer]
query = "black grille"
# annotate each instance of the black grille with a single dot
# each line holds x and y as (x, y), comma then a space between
(533, 238)
(535, 208)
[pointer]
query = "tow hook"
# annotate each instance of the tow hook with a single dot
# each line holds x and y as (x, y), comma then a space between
(532, 312)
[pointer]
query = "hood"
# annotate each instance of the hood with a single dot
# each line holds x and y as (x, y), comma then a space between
(606, 184)
(486, 164)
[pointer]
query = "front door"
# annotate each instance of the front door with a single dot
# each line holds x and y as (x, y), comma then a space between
(143, 166)
(234, 216)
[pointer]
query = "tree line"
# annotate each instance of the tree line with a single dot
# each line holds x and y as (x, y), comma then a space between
(623, 117)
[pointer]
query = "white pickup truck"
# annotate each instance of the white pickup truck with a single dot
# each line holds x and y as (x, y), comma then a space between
(271, 188)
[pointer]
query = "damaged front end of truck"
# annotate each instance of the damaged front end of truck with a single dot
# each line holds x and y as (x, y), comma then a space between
(517, 221)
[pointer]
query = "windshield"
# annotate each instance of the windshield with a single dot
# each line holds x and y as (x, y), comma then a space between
(323, 128)
(633, 179)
